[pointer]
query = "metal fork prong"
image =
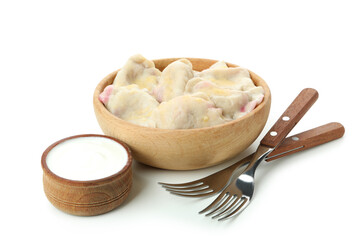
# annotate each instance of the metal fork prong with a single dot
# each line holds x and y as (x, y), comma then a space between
(222, 206)
(181, 185)
(215, 203)
(238, 209)
(229, 208)
(185, 189)
(196, 194)
(195, 190)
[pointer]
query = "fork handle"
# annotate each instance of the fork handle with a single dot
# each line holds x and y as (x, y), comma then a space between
(290, 117)
(307, 139)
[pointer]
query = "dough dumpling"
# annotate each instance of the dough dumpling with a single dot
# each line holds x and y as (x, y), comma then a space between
(140, 71)
(173, 80)
(229, 100)
(186, 112)
(234, 78)
(130, 103)
(180, 97)
(219, 64)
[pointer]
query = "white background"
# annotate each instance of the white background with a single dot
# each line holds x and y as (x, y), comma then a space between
(53, 54)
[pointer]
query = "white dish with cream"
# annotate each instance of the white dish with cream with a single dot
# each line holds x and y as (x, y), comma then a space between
(87, 158)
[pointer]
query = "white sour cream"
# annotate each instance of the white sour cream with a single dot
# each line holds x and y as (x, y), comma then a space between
(87, 158)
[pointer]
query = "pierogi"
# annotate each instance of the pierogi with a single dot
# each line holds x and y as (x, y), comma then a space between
(140, 71)
(187, 111)
(130, 103)
(180, 97)
(173, 80)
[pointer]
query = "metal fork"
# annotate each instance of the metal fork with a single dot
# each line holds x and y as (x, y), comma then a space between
(238, 194)
(216, 182)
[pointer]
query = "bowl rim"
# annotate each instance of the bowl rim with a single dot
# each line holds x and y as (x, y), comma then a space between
(98, 104)
(99, 181)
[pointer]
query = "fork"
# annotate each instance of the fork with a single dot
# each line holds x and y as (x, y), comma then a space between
(238, 194)
(215, 182)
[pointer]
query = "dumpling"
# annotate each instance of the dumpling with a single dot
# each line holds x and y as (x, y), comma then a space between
(229, 100)
(180, 97)
(173, 80)
(256, 96)
(219, 64)
(186, 112)
(234, 78)
(140, 71)
(130, 103)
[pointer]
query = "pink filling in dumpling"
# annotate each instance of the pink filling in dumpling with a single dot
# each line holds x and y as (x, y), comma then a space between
(105, 95)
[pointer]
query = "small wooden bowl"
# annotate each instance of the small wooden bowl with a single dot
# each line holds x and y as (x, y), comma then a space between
(185, 149)
(87, 198)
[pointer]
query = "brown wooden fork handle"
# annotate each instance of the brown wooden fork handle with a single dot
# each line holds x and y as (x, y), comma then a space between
(298, 142)
(307, 139)
(292, 115)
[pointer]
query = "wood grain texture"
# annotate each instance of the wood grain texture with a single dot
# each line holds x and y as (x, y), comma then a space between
(290, 117)
(303, 141)
(308, 139)
(185, 149)
(87, 198)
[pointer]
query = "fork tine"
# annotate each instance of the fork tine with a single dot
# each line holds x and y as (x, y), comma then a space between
(194, 194)
(190, 190)
(238, 209)
(223, 205)
(230, 207)
(181, 185)
(217, 201)
(185, 189)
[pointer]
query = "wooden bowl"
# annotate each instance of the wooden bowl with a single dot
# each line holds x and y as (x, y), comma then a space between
(87, 198)
(185, 149)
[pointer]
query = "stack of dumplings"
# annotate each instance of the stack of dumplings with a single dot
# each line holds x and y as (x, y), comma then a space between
(179, 97)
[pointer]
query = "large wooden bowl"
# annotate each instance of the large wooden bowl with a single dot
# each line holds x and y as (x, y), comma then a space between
(185, 149)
